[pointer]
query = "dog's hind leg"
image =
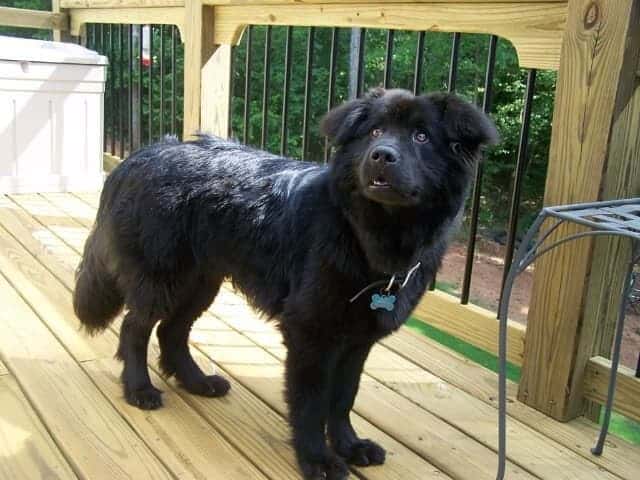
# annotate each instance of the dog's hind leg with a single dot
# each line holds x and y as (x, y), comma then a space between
(173, 336)
(134, 339)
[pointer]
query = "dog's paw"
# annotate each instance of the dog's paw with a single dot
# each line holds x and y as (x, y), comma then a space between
(145, 398)
(209, 386)
(363, 453)
(331, 468)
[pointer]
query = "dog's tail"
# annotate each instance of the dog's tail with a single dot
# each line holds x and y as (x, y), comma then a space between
(96, 298)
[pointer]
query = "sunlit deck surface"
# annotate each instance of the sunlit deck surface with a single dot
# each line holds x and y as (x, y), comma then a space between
(62, 414)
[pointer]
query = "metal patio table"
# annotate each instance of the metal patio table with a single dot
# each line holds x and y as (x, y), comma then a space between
(608, 218)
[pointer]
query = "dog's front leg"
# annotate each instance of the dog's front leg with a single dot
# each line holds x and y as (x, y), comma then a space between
(309, 373)
(343, 437)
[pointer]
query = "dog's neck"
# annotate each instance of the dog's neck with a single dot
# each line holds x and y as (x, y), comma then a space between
(395, 239)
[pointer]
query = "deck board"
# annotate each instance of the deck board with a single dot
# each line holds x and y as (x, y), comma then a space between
(528, 448)
(622, 458)
(434, 411)
(26, 448)
(402, 464)
(92, 435)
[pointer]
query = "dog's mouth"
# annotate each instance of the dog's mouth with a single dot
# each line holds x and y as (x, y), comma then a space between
(379, 182)
(382, 189)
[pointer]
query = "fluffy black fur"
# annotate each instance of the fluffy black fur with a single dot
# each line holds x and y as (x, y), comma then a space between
(299, 239)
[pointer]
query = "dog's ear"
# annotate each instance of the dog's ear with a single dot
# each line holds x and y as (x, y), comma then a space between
(341, 123)
(467, 127)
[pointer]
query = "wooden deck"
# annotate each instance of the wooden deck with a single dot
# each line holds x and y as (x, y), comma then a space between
(62, 414)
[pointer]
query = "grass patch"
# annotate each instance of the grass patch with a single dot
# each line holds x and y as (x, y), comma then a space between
(621, 426)
(465, 349)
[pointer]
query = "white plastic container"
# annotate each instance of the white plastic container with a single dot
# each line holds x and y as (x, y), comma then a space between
(51, 116)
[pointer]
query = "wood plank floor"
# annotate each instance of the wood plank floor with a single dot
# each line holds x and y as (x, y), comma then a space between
(62, 414)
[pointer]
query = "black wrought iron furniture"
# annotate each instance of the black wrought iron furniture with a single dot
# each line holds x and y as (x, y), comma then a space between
(614, 218)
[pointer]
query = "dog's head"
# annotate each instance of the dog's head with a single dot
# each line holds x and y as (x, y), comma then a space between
(398, 149)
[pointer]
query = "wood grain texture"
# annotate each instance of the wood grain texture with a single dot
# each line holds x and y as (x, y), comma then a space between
(21, 17)
(529, 449)
(610, 255)
(160, 15)
(534, 29)
(188, 445)
(26, 448)
(451, 450)
(115, 4)
(470, 323)
(92, 435)
(216, 92)
(593, 89)
(372, 2)
(37, 285)
(263, 374)
(199, 45)
(596, 382)
(623, 459)
(70, 205)
(90, 198)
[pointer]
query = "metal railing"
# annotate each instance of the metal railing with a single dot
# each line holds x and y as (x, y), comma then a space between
(143, 96)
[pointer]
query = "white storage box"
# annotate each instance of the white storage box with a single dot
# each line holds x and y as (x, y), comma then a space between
(51, 116)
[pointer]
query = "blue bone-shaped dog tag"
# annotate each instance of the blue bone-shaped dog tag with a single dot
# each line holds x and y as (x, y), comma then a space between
(382, 301)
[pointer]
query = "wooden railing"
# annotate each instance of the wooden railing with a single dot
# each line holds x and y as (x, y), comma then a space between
(594, 155)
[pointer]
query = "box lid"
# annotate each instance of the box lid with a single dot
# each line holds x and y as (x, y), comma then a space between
(29, 50)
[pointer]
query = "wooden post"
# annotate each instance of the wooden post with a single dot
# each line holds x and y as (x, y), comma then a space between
(207, 79)
(198, 48)
(216, 92)
(594, 155)
(59, 35)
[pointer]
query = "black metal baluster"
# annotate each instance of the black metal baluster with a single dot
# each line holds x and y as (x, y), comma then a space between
(102, 51)
(477, 187)
(265, 86)
(360, 71)
(388, 58)
(130, 88)
(140, 129)
(307, 92)
(333, 56)
(247, 86)
(284, 126)
(453, 64)
(120, 99)
(417, 72)
(112, 103)
(161, 59)
(150, 87)
(173, 78)
(521, 165)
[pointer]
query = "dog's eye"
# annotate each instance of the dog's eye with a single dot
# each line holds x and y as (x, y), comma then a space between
(455, 147)
(376, 132)
(420, 137)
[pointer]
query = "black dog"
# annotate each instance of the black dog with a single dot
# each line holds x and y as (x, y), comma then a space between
(299, 239)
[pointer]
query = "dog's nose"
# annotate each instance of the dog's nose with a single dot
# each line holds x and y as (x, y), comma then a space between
(384, 154)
